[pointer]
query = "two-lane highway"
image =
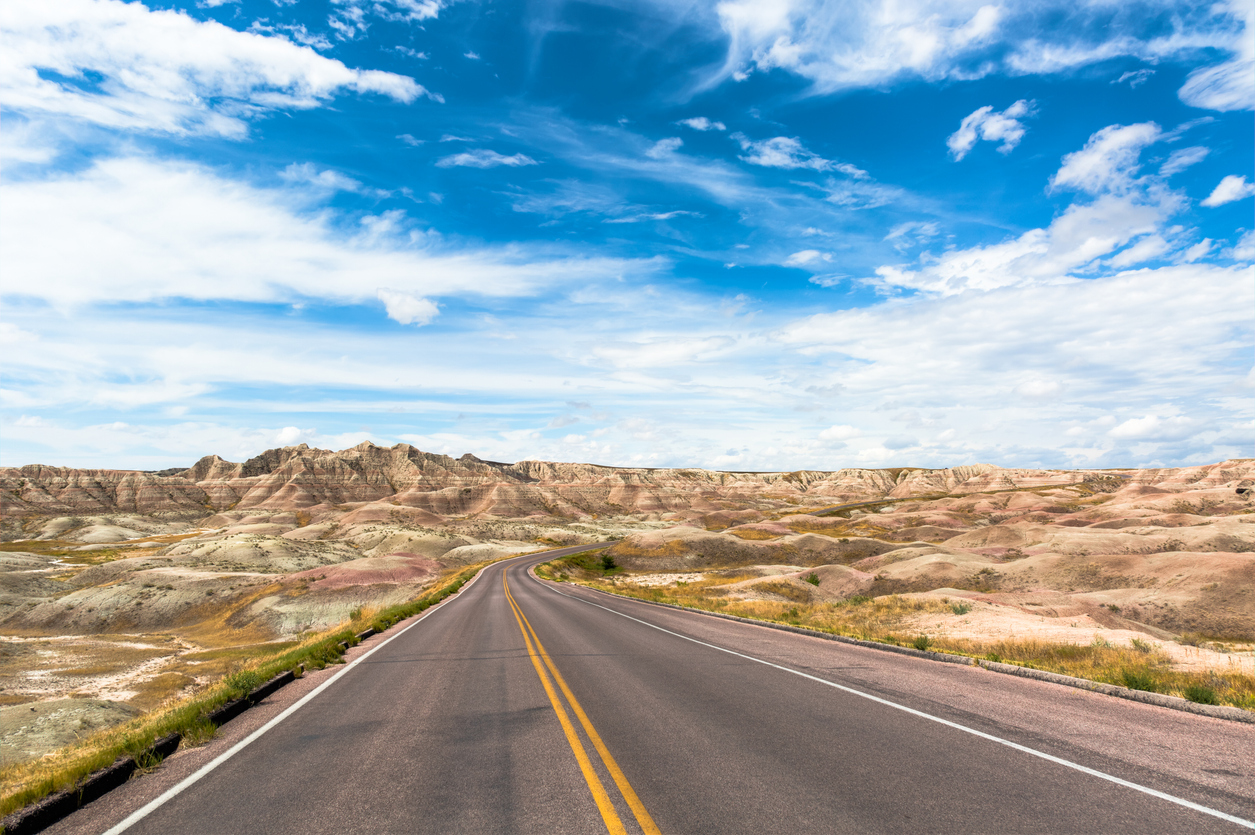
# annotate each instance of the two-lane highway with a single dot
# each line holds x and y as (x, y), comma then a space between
(527, 707)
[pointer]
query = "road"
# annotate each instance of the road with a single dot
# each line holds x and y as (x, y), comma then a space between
(520, 706)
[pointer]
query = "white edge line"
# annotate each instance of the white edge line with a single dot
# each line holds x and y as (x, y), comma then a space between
(1180, 801)
(173, 792)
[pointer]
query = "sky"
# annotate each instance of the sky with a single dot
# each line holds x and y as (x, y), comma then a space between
(740, 235)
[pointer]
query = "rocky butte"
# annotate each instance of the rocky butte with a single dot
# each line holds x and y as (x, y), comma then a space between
(122, 589)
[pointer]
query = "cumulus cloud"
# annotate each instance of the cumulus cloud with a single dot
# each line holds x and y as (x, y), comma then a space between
(484, 158)
(123, 65)
(839, 433)
(991, 126)
(407, 308)
(702, 123)
(1229, 189)
(1154, 427)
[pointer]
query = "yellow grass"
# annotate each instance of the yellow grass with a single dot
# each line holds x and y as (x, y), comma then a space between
(888, 619)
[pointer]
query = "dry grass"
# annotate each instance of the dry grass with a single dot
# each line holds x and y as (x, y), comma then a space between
(753, 534)
(25, 783)
(888, 619)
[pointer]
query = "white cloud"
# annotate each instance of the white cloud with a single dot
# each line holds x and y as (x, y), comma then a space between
(992, 126)
(145, 231)
(1079, 236)
(788, 152)
(292, 435)
(1229, 85)
(163, 71)
(307, 173)
(806, 256)
(1135, 78)
(474, 56)
(1108, 161)
(11, 334)
(1153, 427)
(644, 216)
(484, 158)
(839, 433)
(1182, 159)
(1244, 249)
(1146, 249)
(409, 140)
(1072, 350)
(448, 137)
(702, 123)
(408, 309)
(664, 147)
(662, 352)
(1229, 189)
(1197, 251)
(863, 43)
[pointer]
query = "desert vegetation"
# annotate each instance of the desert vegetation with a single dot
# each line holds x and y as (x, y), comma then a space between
(126, 596)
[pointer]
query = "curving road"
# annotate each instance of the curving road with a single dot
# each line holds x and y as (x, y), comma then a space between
(527, 707)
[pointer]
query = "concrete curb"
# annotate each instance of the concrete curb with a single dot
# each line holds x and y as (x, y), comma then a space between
(1232, 714)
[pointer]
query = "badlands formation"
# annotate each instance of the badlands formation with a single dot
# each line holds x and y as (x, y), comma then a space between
(120, 589)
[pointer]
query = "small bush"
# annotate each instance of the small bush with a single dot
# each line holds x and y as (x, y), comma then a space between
(960, 608)
(1139, 680)
(607, 563)
(1202, 694)
(1142, 646)
(812, 578)
(922, 643)
(994, 657)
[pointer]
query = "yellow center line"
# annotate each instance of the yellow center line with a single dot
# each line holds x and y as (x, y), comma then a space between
(600, 796)
(620, 780)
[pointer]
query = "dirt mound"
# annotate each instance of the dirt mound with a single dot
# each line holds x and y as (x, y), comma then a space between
(399, 567)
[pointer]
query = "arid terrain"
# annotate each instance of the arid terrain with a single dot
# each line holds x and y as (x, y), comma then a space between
(120, 590)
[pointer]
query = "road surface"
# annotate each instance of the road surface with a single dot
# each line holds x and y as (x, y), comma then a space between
(520, 706)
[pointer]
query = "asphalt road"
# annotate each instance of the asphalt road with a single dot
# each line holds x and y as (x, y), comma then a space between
(523, 707)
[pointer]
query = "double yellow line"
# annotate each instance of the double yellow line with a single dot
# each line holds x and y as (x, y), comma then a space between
(536, 651)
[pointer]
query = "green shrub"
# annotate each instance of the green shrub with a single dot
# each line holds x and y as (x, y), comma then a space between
(960, 608)
(922, 643)
(1202, 694)
(1138, 680)
(812, 578)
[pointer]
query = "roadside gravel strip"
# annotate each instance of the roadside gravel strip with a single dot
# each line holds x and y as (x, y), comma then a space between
(1233, 714)
(923, 715)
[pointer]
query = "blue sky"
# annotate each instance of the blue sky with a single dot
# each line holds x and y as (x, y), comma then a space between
(741, 235)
